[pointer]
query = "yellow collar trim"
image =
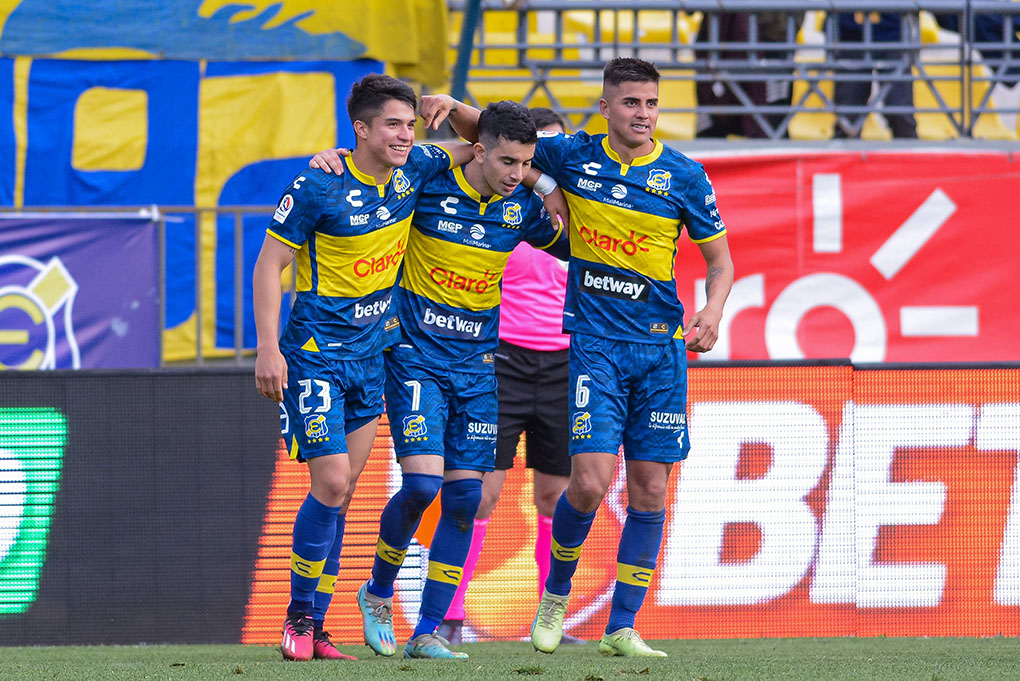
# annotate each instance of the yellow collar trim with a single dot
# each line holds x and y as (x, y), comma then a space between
(366, 179)
(465, 186)
(650, 157)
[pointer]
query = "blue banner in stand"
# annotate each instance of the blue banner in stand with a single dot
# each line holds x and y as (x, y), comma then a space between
(78, 292)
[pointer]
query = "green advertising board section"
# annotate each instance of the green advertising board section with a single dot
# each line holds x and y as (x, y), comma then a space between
(32, 443)
(131, 504)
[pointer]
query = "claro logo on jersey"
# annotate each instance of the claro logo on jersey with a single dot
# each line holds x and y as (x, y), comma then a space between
(454, 280)
(374, 265)
(628, 246)
(614, 285)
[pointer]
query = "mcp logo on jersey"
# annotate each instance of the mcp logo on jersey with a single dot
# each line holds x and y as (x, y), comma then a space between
(36, 299)
(512, 213)
(658, 180)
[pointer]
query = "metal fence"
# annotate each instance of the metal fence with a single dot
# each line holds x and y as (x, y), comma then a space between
(169, 218)
(555, 48)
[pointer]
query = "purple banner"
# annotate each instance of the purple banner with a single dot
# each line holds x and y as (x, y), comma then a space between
(78, 292)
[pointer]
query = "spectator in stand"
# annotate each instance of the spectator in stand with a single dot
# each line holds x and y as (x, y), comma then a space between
(886, 27)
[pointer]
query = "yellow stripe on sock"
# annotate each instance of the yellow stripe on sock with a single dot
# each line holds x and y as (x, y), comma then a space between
(389, 554)
(634, 575)
(327, 584)
(565, 553)
(306, 568)
(448, 574)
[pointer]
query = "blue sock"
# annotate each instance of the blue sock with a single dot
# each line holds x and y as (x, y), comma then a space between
(399, 520)
(569, 529)
(327, 581)
(450, 546)
(314, 532)
(635, 565)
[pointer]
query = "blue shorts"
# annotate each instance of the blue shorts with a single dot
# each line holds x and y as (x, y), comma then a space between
(633, 394)
(326, 399)
(438, 411)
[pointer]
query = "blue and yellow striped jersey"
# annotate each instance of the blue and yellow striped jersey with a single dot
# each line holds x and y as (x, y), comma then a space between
(624, 224)
(350, 233)
(449, 292)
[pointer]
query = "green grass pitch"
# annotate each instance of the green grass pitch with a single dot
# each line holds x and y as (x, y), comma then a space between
(886, 659)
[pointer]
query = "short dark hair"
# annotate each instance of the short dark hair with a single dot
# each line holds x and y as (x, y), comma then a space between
(544, 117)
(508, 120)
(629, 70)
(370, 94)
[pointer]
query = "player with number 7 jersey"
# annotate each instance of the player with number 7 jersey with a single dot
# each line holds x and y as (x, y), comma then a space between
(347, 235)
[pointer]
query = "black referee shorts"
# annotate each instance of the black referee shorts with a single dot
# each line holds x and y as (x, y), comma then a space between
(533, 399)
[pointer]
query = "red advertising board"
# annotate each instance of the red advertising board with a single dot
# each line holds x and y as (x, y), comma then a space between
(877, 256)
(817, 501)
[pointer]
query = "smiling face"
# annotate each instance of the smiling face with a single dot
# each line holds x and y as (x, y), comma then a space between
(632, 110)
(503, 164)
(388, 136)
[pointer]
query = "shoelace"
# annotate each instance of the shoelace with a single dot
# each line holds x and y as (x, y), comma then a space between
(301, 625)
(382, 612)
(323, 636)
(547, 614)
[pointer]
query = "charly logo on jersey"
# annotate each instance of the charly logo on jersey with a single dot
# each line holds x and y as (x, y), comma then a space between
(591, 168)
(710, 198)
(658, 181)
(667, 420)
(284, 209)
(400, 182)
(512, 213)
(618, 191)
(581, 425)
(415, 428)
(449, 205)
(316, 429)
(477, 232)
(481, 431)
(352, 198)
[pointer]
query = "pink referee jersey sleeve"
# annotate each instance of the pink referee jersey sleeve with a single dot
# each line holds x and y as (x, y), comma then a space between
(531, 310)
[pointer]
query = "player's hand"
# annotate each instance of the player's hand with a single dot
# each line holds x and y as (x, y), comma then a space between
(556, 206)
(703, 330)
(271, 374)
(328, 160)
(434, 109)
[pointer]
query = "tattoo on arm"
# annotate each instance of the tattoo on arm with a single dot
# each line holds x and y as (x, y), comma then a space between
(710, 279)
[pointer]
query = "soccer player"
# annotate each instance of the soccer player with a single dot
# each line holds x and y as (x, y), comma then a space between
(349, 234)
(629, 198)
(440, 383)
(531, 370)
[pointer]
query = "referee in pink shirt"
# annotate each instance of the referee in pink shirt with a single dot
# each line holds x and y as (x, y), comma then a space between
(531, 367)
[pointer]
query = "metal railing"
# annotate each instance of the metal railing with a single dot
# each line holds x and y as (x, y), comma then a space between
(555, 44)
(170, 217)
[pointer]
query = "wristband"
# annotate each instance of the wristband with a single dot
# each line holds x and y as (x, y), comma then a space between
(545, 185)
